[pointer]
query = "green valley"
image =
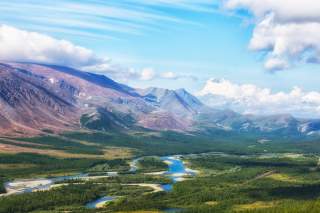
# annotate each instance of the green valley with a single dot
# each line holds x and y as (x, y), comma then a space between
(234, 174)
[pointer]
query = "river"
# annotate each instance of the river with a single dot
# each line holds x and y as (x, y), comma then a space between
(177, 171)
(42, 184)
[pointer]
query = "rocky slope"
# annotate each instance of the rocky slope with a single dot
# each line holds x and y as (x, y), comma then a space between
(179, 102)
(28, 102)
(36, 97)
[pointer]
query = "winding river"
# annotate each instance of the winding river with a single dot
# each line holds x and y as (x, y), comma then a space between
(177, 171)
(42, 184)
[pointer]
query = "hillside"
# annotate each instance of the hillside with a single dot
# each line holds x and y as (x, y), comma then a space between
(37, 98)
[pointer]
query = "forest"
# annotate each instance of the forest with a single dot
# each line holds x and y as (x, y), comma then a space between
(235, 174)
(151, 164)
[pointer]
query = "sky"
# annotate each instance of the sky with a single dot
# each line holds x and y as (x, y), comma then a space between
(200, 45)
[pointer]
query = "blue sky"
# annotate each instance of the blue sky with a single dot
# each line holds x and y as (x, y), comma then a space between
(185, 37)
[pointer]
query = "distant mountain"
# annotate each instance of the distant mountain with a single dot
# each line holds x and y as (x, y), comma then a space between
(35, 98)
(179, 102)
(278, 125)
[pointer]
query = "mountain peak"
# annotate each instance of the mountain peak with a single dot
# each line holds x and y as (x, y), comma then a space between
(178, 101)
(36, 97)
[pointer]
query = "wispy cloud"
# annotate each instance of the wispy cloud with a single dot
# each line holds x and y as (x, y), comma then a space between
(192, 5)
(134, 17)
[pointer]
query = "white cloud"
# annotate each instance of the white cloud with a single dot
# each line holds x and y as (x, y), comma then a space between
(169, 75)
(274, 64)
(147, 74)
(25, 46)
(287, 30)
(250, 99)
(107, 19)
(114, 71)
(177, 76)
(20, 45)
(285, 10)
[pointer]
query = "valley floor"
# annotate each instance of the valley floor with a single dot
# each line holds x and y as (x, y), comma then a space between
(240, 179)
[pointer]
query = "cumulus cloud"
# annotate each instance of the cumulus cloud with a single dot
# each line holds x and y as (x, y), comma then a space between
(169, 75)
(25, 46)
(275, 63)
(251, 99)
(124, 74)
(20, 45)
(176, 76)
(147, 74)
(288, 31)
(115, 71)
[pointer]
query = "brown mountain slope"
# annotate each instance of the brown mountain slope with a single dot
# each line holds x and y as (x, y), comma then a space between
(36, 97)
(27, 103)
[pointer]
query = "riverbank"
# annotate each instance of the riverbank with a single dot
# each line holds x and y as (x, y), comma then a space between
(177, 171)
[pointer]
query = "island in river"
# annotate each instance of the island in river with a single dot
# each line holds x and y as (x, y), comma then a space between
(177, 171)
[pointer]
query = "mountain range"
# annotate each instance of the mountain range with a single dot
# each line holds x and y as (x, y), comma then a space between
(37, 98)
